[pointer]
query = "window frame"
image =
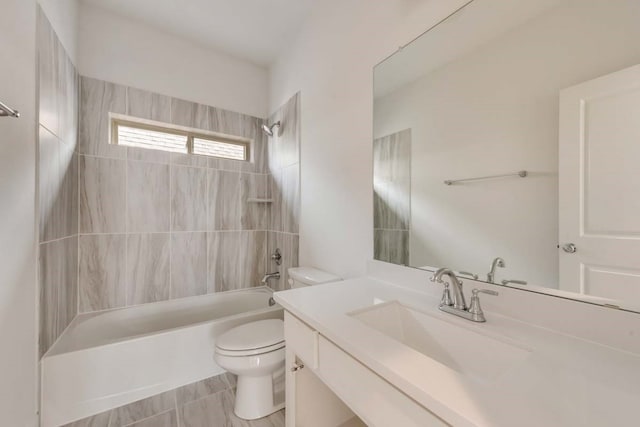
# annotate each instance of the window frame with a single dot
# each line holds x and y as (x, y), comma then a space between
(190, 134)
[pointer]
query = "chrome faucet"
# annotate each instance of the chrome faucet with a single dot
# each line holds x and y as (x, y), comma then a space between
(456, 304)
(266, 277)
(497, 262)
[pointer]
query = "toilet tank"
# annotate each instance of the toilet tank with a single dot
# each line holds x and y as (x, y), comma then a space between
(300, 277)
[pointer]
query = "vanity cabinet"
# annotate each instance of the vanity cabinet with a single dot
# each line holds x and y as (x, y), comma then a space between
(326, 387)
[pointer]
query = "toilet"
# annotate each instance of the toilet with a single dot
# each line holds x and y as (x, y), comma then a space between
(255, 352)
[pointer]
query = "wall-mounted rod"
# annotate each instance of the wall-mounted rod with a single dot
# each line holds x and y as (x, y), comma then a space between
(6, 111)
(521, 174)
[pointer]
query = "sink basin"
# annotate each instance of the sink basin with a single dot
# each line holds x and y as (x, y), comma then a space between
(475, 355)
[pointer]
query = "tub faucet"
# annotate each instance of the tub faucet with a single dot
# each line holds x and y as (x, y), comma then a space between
(497, 262)
(265, 279)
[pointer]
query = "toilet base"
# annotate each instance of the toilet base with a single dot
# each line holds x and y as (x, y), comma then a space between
(257, 397)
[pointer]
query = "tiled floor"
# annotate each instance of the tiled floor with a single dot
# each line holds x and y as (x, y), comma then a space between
(207, 403)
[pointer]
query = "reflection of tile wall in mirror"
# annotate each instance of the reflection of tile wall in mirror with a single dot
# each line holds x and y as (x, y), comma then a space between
(392, 197)
(480, 95)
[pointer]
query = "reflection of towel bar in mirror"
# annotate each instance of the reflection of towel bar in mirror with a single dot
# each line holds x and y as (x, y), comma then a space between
(258, 200)
(6, 111)
(521, 174)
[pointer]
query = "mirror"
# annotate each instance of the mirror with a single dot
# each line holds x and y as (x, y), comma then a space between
(507, 147)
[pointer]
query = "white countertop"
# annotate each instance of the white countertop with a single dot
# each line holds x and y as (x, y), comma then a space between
(564, 382)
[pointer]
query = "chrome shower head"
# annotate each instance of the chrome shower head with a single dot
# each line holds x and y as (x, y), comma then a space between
(268, 130)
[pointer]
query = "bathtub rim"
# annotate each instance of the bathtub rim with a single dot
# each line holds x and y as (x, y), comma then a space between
(52, 351)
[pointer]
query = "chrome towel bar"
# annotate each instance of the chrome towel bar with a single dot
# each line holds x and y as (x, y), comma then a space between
(521, 174)
(6, 111)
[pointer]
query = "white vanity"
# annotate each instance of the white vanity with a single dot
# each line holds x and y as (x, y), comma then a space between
(368, 352)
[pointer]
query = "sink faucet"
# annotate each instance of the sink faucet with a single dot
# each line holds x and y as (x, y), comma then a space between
(458, 301)
(266, 277)
(497, 262)
(457, 304)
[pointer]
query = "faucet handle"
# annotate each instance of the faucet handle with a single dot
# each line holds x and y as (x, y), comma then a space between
(474, 307)
(446, 295)
(475, 292)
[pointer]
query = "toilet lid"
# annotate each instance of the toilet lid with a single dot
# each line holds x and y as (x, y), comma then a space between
(253, 335)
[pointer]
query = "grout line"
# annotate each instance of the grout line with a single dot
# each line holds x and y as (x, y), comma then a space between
(146, 418)
(170, 230)
(126, 227)
(175, 401)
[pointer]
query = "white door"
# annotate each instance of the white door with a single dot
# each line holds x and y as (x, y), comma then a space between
(599, 195)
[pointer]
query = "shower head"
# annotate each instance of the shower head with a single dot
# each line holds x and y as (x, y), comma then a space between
(268, 130)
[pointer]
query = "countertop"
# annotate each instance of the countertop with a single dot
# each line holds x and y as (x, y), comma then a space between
(564, 381)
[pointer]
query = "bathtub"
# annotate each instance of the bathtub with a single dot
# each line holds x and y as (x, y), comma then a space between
(108, 359)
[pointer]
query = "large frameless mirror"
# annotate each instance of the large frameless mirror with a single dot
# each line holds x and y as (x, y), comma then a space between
(507, 148)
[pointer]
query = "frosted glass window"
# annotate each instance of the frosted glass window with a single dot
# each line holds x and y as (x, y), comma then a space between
(156, 137)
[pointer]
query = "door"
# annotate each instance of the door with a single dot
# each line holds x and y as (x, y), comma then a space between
(599, 187)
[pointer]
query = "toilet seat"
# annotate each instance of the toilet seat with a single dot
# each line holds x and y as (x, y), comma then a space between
(252, 338)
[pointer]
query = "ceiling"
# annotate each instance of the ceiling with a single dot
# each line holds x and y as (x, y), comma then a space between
(253, 30)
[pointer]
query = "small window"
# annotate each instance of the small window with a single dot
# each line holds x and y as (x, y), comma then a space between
(157, 137)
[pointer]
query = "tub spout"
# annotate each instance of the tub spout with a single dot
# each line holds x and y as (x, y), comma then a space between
(265, 279)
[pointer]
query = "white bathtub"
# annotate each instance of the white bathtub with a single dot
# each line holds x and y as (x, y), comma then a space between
(108, 359)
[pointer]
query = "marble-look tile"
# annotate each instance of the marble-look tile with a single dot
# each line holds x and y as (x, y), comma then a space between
(229, 122)
(284, 147)
(148, 198)
(148, 155)
(49, 183)
(66, 204)
(258, 151)
(223, 265)
(142, 409)
(252, 258)
(102, 272)
(188, 199)
(217, 410)
(200, 389)
(100, 420)
(102, 195)
(391, 246)
(148, 268)
(223, 211)
(392, 183)
(189, 114)
(47, 46)
(237, 260)
(58, 277)
(67, 88)
(167, 419)
(254, 216)
(189, 160)
(275, 192)
(290, 207)
(148, 105)
(188, 264)
(97, 99)
(289, 249)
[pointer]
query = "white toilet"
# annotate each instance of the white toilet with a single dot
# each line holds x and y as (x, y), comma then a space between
(255, 353)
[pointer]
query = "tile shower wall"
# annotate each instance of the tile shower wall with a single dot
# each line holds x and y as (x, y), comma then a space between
(284, 182)
(156, 225)
(58, 185)
(392, 197)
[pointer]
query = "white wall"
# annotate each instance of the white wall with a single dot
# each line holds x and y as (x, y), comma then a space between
(18, 352)
(123, 51)
(331, 63)
(63, 16)
(496, 111)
